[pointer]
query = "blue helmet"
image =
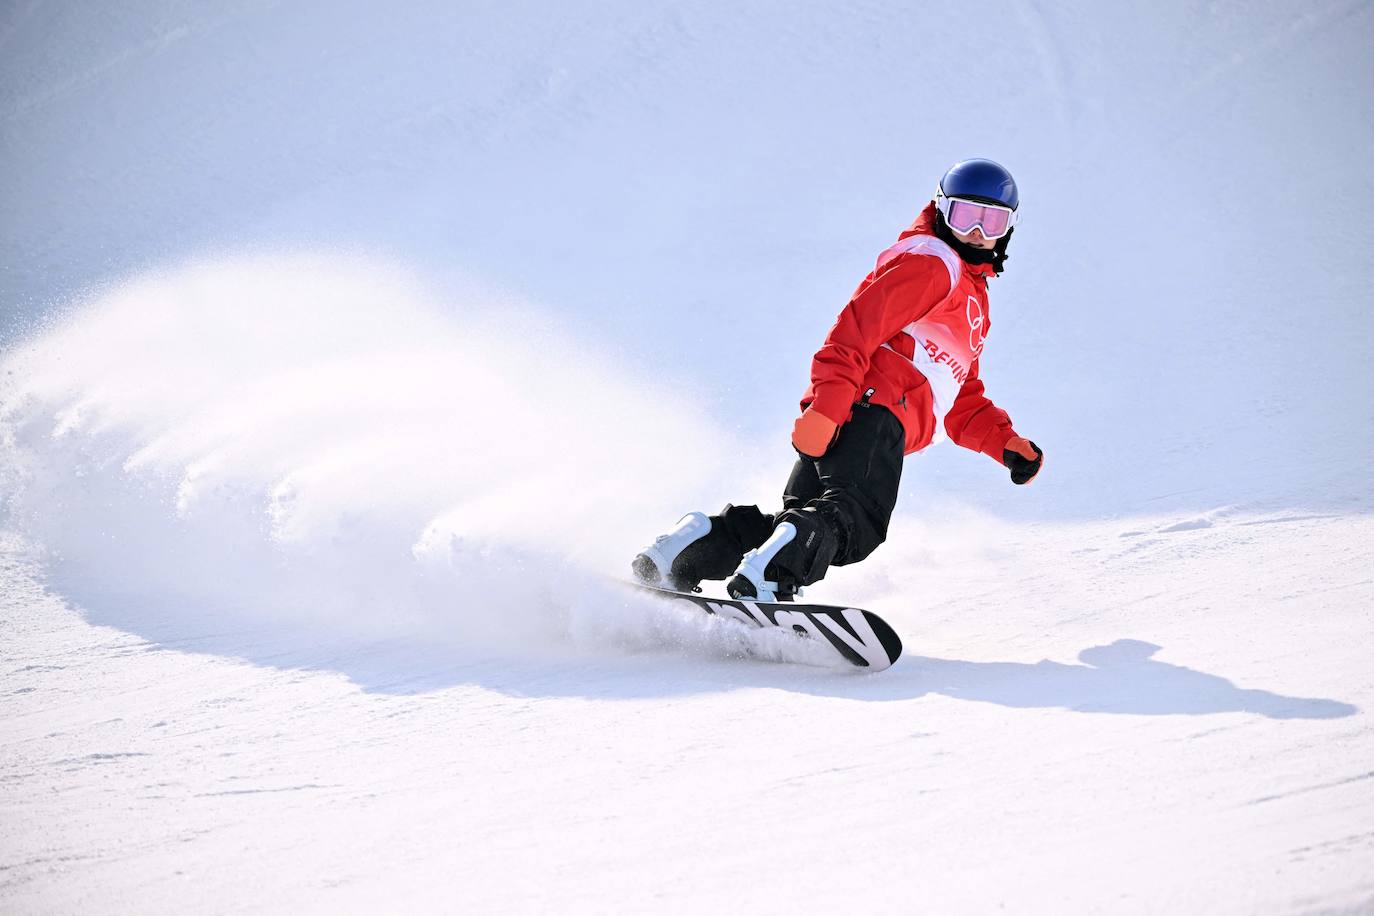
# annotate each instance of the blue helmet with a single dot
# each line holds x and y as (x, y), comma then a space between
(982, 180)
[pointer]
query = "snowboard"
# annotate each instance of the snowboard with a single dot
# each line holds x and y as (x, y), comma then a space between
(860, 637)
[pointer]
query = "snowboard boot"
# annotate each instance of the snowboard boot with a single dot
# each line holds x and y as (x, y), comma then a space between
(797, 553)
(661, 563)
(702, 547)
(751, 581)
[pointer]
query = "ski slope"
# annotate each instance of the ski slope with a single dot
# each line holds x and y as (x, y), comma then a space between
(347, 357)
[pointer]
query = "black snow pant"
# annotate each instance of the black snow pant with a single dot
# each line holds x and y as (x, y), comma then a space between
(840, 505)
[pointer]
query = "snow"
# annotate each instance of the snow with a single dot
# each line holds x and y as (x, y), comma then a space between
(348, 356)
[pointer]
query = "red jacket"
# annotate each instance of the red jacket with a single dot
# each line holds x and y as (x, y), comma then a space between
(910, 338)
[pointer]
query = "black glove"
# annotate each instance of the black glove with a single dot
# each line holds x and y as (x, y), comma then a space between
(1023, 457)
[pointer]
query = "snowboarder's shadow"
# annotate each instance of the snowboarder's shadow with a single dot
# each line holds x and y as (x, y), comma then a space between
(1122, 677)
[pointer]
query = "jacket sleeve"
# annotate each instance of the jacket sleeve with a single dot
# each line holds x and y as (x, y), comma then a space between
(882, 306)
(975, 422)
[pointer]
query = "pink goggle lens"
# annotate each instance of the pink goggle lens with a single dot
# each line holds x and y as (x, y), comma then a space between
(964, 215)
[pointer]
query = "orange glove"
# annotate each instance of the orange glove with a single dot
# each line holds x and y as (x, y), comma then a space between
(1023, 458)
(813, 433)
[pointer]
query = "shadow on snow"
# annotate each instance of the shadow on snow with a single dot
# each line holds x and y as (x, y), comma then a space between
(1120, 678)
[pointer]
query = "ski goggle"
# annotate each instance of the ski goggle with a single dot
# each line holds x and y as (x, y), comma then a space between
(963, 216)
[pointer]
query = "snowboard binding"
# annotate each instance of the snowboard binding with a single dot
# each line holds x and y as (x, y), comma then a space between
(666, 563)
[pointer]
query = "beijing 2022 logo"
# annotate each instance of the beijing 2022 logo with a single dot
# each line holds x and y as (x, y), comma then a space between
(977, 325)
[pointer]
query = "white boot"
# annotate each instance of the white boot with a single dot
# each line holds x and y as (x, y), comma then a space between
(653, 564)
(749, 582)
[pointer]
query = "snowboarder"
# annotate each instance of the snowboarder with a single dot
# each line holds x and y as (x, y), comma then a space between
(897, 372)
